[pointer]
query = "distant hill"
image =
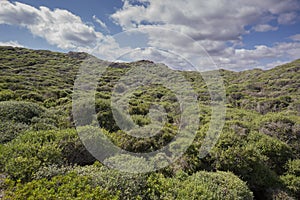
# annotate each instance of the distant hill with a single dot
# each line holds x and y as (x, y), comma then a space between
(42, 76)
(258, 150)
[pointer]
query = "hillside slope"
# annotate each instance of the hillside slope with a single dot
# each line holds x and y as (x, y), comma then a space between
(258, 152)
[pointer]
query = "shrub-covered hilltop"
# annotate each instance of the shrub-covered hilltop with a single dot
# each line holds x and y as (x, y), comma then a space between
(42, 157)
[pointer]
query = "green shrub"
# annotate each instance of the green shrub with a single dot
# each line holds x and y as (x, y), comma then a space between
(291, 179)
(50, 102)
(21, 167)
(201, 185)
(276, 151)
(293, 167)
(50, 171)
(105, 115)
(19, 111)
(6, 95)
(284, 126)
(18, 117)
(22, 157)
(125, 185)
(292, 183)
(70, 186)
(32, 96)
(256, 158)
(9, 130)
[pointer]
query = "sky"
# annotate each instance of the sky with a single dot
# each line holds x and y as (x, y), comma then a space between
(230, 34)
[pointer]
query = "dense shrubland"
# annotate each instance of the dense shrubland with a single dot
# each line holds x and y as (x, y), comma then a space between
(42, 156)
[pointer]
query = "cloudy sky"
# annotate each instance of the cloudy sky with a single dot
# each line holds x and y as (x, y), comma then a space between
(234, 34)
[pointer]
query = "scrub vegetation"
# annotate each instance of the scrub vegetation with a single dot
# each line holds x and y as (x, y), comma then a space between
(42, 157)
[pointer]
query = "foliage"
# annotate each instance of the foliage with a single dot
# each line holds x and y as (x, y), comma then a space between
(201, 185)
(19, 116)
(23, 157)
(21, 112)
(124, 185)
(291, 179)
(70, 186)
(39, 146)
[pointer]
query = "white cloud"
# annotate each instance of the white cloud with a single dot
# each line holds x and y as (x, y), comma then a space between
(59, 27)
(101, 23)
(295, 37)
(17, 14)
(265, 28)
(108, 49)
(217, 25)
(287, 18)
(245, 58)
(11, 43)
(204, 20)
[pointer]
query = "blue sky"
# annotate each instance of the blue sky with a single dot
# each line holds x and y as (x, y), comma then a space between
(237, 35)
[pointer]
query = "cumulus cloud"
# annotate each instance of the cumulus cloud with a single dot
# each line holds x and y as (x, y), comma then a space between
(216, 25)
(59, 27)
(17, 14)
(107, 49)
(251, 58)
(204, 20)
(265, 28)
(287, 18)
(295, 37)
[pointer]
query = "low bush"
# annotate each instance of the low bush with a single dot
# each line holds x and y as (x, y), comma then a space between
(124, 185)
(9, 130)
(201, 185)
(19, 111)
(70, 186)
(291, 179)
(22, 157)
